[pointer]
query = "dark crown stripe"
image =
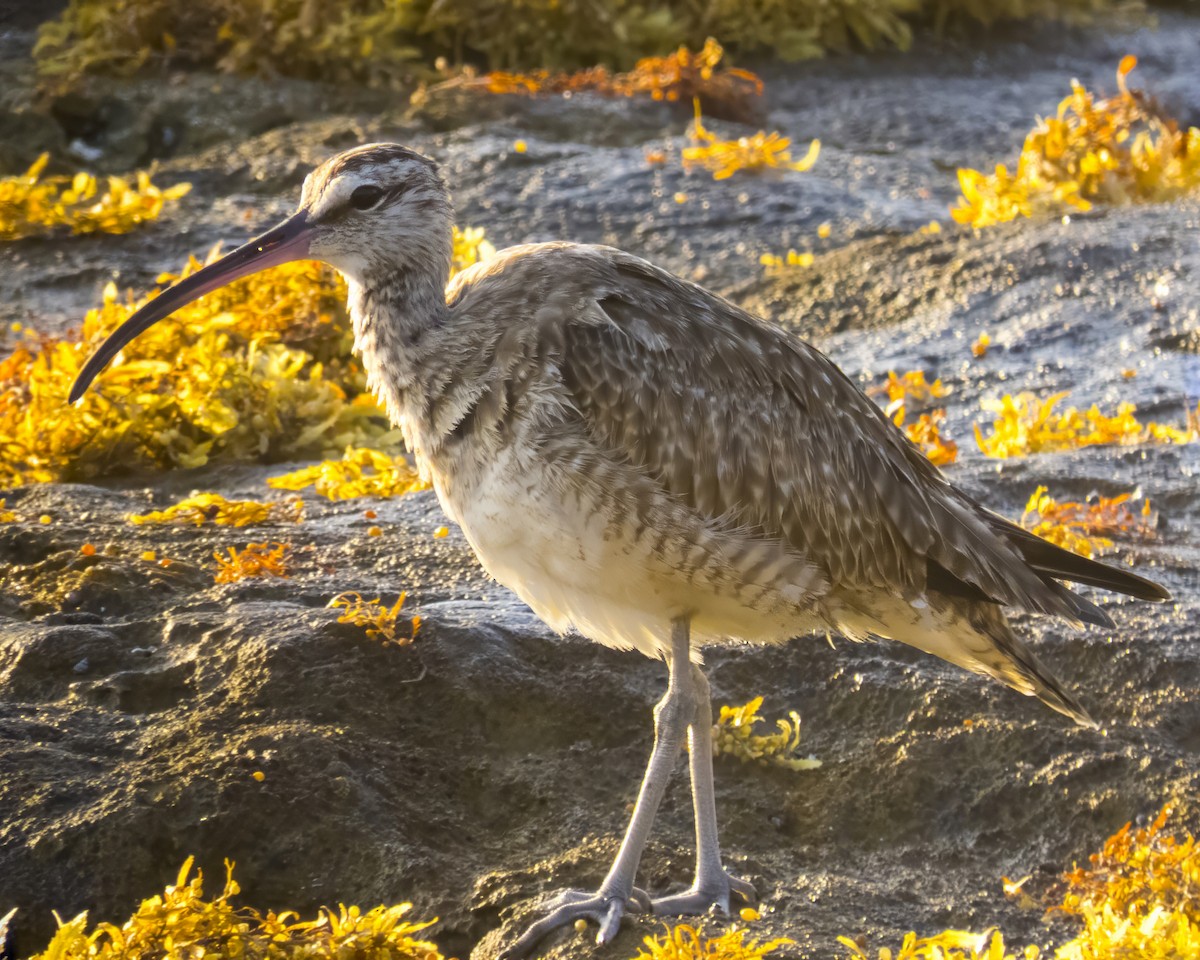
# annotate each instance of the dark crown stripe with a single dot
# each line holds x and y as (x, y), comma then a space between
(379, 155)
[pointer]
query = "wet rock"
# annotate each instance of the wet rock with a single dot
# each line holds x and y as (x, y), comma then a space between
(24, 136)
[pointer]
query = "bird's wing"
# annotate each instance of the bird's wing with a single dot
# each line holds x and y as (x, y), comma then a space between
(740, 420)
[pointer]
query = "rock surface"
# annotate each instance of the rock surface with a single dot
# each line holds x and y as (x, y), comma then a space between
(490, 762)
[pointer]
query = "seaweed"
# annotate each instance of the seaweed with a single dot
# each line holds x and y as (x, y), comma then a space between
(946, 945)
(686, 942)
(681, 75)
(202, 508)
(1139, 896)
(755, 153)
(255, 560)
(733, 735)
(1139, 899)
(389, 42)
(1024, 425)
(1122, 149)
(380, 621)
(35, 205)
(910, 387)
(778, 263)
(361, 472)
(1087, 528)
(926, 433)
(180, 923)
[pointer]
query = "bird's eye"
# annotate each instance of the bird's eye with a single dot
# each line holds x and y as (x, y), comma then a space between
(365, 197)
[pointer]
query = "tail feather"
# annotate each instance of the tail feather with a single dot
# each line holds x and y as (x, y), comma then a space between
(970, 633)
(1084, 609)
(1054, 561)
(1020, 669)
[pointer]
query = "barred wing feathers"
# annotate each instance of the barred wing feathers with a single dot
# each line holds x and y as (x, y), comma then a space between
(738, 419)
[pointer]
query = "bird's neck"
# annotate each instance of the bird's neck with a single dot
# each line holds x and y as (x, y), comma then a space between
(399, 322)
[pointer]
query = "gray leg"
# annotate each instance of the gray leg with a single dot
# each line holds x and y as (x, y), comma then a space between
(672, 716)
(712, 885)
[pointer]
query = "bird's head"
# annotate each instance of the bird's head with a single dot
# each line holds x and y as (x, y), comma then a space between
(376, 212)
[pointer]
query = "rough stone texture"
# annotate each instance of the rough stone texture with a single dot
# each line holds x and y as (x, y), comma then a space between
(490, 762)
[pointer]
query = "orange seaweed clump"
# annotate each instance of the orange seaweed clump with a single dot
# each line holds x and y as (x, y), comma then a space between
(1086, 528)
(381, 621)
(762, 151)
(181, 923)
(260, 369)
(1140, 896)
(261, 560)
(908, 387)
(1025, 425)
(679, 76)
(1138, 900)
(926, 433)
(238, 374)
(1118, 150)
(33, 205)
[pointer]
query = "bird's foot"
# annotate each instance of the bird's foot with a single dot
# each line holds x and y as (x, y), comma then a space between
(570, 906)
(704, 895)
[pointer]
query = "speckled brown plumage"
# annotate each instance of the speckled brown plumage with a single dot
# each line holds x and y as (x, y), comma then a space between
(747, 427)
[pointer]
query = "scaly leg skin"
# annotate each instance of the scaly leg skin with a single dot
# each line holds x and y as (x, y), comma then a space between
(712, 885)
(674, 713)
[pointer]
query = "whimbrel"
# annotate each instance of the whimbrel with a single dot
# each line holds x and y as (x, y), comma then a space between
(641, 460)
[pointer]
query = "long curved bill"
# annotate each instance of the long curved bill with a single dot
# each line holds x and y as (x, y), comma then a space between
(282, 244)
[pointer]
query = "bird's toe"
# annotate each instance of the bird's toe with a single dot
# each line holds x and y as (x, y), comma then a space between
(571, 906)
(744, 889)
(703, 897)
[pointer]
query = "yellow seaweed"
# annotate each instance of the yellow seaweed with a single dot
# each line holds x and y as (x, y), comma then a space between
(1086, 528)
(381, 622)
(686, 942)
(761, 151)
(180, 923)
(1024, 425)
(1139, 897)
(909, 387)
(947, 945)
(256, 560)
(202, 508)
(34, 205)
(361, 472)
(680, 75)
(778, 263)
(1120, 150)
(384, 42)
(259, 370)
(926, 433)
(734, 736)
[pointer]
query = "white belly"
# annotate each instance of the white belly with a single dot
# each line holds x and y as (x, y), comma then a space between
(576, 568)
